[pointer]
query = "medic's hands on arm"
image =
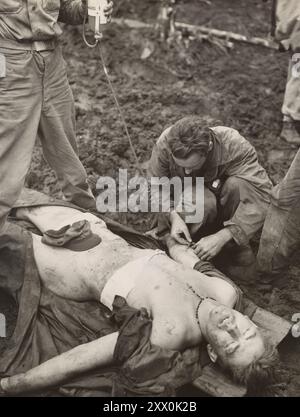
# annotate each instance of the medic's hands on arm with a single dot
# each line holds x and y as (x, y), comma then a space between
(179, 229)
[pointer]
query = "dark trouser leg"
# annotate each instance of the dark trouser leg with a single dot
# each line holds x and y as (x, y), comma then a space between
(239, 210)
(243, 209)
(230, 198)
(281, 233)
(280, 238)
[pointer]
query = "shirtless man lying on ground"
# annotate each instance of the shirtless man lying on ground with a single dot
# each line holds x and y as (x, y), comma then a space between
(187, 307)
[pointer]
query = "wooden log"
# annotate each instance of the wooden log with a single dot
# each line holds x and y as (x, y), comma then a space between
(277, 327)
(215, 383)
(194, 29)
(227, 35)
(133, 24)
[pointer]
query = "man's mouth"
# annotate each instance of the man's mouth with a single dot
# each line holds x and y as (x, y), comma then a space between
(225, 321)
(223, 316)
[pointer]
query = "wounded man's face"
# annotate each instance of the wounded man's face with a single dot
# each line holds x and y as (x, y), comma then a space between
(233, 337)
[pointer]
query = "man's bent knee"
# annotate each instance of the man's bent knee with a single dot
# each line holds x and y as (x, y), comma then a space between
(230, 196)
(232, 187)
(210, 206)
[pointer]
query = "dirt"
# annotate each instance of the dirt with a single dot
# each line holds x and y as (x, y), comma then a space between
(242, 87)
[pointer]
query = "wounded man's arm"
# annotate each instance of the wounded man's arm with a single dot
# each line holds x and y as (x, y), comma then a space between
(60, 369)
(183, 254)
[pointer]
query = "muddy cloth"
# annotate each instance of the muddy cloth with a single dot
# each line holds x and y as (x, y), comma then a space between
(166, 370)
(77, 237)
(281, 233)
(48, 325)
(232, 157)
(33, 198)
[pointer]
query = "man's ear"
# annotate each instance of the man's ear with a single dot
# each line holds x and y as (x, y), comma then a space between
(210, 145)
(211, 353)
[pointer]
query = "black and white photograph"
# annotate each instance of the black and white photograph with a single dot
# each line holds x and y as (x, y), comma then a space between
(149, 201)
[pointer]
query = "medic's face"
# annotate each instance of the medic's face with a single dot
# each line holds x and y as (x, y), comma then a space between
(193, 162)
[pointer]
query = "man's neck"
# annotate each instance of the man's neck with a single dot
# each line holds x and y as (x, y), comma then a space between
(203, 313)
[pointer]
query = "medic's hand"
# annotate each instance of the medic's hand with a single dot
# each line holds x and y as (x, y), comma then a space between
(179, 230)
(108, 11)
(208, 247)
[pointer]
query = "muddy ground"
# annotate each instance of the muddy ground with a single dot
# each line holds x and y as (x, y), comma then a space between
(240, 87)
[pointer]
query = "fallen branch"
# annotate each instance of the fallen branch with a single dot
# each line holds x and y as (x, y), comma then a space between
(194, 29)
(227, 35)
(132, 24)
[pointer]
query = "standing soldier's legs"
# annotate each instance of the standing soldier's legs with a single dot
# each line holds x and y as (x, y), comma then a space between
(280, 238)
(291, 106)
(57, 132)
(20, 110)
(281, 233)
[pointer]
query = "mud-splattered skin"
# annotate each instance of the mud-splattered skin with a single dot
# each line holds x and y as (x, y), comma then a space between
(77, 275)
(163, 286)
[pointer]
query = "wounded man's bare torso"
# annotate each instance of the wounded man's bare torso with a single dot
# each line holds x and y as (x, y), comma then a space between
(168, 290)
(82, 275)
